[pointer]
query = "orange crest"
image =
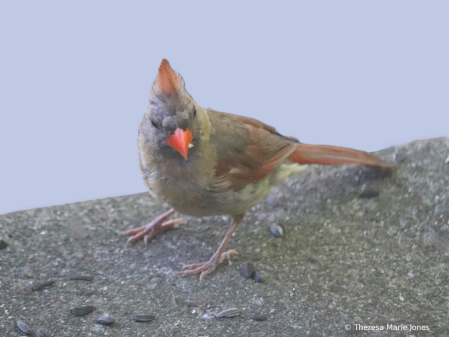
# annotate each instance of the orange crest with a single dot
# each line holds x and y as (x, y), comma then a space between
(167, 80)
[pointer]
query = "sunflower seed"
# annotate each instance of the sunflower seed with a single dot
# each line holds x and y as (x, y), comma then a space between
(41, 286)
(257, 277)
(24, 328)
(276, 230)
(369, 194)
(3, 244)
(259, 318)
(190, 303)
(143, 318)
(82, 278)
(39, 333)
(106, 320)
(247, 270)
(447, 160)
(82, 311)
(228, 313)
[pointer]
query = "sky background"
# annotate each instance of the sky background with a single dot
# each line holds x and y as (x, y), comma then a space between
(75, 80)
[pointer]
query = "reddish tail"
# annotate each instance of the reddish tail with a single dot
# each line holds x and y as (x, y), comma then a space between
(334, 155)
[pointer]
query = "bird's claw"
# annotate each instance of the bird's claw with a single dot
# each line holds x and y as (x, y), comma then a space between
(152, 229)
(205, 268)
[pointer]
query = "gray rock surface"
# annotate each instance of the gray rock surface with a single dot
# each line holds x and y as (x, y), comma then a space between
(342, 260)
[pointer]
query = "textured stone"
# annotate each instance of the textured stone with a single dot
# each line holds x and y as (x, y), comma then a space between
(343, 259)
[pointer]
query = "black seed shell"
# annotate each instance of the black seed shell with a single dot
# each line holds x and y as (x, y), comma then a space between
(39, 333)
(82, 278)
(247, 270)
(259, 318)
(82, 311)
(257, 277)
(106, 320)
(276, 230)
(228, 313)
(24, 328)
(191, 303)
(3, 244)
(42, 286)
(143, 318)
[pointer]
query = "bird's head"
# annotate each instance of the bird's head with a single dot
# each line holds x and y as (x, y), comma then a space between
(175, 121)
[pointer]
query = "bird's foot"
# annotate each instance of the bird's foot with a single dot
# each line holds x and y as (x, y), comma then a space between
(149, 231)
(205, 268)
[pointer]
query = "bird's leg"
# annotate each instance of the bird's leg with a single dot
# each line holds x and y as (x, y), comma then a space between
(208, 267)
(154, 227)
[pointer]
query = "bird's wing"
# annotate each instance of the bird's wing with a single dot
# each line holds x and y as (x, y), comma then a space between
(247, 150)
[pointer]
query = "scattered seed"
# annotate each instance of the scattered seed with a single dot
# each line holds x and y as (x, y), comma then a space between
(257, 277)
(106, 320)
(369, 194)
(276, 230)
(143, 318)
(3, 244)
(247, 270)
(82, 311)
(82, 278)
(42, 286)
(39, 333)
(190, 303)
(24, 328)
(259, 318)
(228, 313)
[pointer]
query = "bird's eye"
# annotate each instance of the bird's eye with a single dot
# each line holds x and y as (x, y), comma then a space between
(154, 124)
(194, 112)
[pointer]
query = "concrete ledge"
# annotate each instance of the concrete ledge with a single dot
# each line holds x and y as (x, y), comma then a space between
(343, 259)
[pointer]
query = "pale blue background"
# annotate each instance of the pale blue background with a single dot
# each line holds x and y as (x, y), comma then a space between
(75, 79)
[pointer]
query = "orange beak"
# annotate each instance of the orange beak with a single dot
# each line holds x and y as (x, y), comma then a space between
(180, 141)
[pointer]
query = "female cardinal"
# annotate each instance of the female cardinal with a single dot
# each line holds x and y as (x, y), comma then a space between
(203, 162)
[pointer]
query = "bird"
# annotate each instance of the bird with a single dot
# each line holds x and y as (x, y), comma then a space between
(203, 162)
